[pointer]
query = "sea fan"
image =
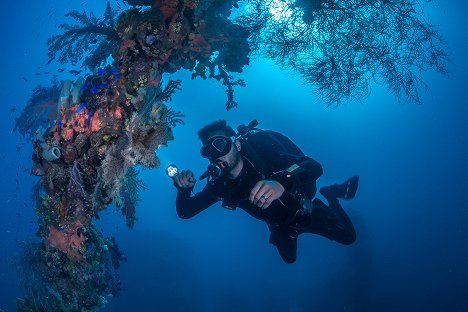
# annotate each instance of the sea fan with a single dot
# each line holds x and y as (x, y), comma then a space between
(113, 169)
(143, 140)
(133, 185)
(341, 47)
(130, 195)
(40, 111)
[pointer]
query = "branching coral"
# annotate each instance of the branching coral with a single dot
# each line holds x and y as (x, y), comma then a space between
(152, 104)
(92, 35)
(169, 90)
(217, 71)
(172, 118)
(340, 47)
(140, 2)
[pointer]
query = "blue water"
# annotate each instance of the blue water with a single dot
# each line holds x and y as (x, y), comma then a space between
(410, 212)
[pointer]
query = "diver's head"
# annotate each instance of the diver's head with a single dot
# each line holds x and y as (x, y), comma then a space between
(220, 146)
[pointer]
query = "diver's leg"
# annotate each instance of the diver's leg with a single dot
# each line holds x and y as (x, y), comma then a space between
(338, 225)
(331, 222)
(285, 243)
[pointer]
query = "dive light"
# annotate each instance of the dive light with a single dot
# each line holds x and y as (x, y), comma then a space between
(172, 171)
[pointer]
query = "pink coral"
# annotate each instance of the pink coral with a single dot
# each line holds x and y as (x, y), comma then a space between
(68, 241)
(95, 122)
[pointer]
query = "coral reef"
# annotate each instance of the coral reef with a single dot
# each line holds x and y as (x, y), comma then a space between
(99, 136)
(178, 34)
(67, 274)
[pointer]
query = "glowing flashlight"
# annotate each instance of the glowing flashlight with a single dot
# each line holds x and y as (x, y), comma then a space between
(172, 171)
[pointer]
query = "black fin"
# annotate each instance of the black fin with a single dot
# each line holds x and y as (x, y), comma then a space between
(345, 190)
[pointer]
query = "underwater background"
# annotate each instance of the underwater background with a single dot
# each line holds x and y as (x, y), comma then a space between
(410, 211)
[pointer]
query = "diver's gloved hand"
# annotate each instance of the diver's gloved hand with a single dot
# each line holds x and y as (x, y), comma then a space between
(185, 179)
(265, 192)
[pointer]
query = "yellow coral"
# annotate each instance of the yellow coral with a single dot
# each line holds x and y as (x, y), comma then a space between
(176, 27)
(142, 80)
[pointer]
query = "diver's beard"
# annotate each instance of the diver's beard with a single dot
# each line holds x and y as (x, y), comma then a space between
(229, 166)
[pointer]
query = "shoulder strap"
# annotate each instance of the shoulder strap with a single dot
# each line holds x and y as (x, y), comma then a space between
(249, 152)
(282, 143)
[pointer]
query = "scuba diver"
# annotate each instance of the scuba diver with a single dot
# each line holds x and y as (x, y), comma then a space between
(264, 173)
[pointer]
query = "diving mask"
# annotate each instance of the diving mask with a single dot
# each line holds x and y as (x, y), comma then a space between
(216, 147)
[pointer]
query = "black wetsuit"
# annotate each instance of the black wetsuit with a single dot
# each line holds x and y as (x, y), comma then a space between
(284, 216)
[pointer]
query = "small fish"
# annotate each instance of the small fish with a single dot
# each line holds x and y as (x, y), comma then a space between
(88, 122)
(94, 89)
(113, 70)
(117, 77)
(82, 3)
(13, 110)
(38, 74)
(102, 86)
(107, 137)
(46, 73)
(24, 78)
(18, 149)
(50, 61)
(74, 72)
(84, 88)
(60, 70)
(59, 123)
(81, 107)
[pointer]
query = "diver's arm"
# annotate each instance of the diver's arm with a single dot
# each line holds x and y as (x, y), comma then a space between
(308, 169)
(293, 169)
(188, 206)
(301, 173)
